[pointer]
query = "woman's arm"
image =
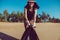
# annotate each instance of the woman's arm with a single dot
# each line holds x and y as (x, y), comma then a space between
(35, 15)
(25, 14)
(34, 23)
(34, 20)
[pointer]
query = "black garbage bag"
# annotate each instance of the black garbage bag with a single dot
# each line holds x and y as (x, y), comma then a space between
(30, 32)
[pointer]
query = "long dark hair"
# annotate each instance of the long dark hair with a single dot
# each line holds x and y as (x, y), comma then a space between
(34, 7)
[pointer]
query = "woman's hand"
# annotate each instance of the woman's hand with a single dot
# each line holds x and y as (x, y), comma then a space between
(28, 23)
(33, 23)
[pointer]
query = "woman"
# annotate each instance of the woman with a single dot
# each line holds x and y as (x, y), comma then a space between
(30, 12)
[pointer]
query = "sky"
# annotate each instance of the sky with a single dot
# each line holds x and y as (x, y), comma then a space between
(51, 7)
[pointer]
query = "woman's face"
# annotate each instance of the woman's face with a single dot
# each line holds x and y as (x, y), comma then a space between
(31, 4)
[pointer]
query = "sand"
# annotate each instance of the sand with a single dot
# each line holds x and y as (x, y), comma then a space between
(45, 31)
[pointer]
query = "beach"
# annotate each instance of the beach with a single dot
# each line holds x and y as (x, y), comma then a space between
(45, 31)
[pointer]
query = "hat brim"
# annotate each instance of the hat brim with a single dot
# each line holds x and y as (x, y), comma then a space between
(31, 1)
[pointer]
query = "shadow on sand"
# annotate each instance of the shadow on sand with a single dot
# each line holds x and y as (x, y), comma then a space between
(6, 37)
(29, 34)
